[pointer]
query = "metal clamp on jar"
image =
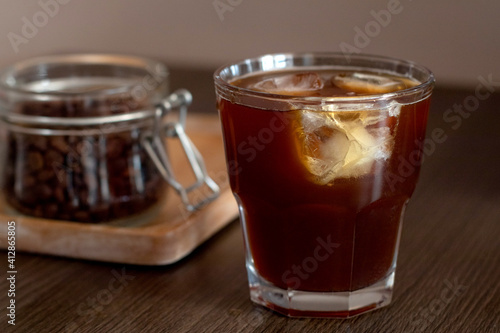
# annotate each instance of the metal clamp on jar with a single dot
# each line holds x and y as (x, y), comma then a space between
(85, 137)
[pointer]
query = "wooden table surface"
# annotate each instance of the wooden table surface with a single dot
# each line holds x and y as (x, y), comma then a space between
(448, 274)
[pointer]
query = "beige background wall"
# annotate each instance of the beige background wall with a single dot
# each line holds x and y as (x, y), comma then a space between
(458, 39)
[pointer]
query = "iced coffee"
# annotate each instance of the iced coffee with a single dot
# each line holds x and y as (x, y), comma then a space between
(315, 149)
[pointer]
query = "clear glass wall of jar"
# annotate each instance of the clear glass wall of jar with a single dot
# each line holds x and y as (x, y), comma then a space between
(73, 127)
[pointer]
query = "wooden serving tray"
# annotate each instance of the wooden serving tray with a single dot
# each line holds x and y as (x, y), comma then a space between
(162, 235)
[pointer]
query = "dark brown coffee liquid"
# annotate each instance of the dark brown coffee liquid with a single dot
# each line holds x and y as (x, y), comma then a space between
(334, 235)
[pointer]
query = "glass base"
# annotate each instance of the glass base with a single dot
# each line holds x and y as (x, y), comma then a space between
(296, 303)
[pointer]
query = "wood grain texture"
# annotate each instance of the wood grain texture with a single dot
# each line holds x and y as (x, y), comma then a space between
(448, 274)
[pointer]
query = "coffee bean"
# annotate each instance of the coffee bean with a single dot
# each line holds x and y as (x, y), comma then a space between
(34, 160)
(45, 175)
(50, 210)
(53, 156)
(59, 195)
(60, 144)
(82, 216)
(28, 181)
(38, 211)
(38, 142)
(43, 191)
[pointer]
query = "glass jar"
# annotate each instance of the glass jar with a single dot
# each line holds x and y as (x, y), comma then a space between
(84, 137)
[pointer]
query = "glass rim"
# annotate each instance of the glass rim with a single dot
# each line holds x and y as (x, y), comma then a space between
(220, 82)
(98, 59)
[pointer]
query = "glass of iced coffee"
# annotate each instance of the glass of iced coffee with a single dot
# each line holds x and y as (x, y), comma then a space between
(323, 153)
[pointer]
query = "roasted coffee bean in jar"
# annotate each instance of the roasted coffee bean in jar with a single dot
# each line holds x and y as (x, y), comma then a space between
(73, 128)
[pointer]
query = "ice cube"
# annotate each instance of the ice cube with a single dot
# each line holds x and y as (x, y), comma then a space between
(302, 84)
(325, 148)
(363, 83)
(343, 144)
